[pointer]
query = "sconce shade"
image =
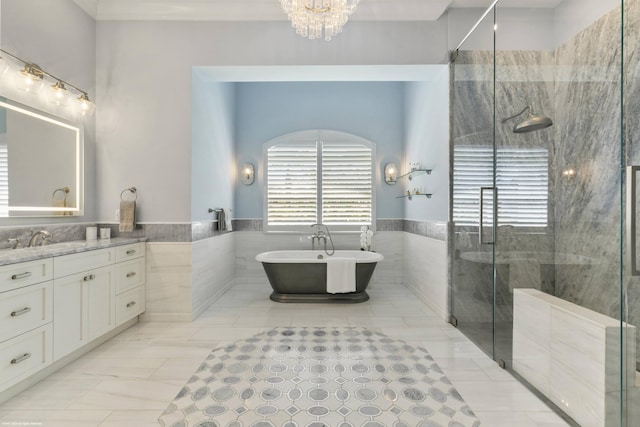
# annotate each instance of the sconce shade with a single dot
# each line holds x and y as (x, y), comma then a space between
(30, 79)
(390, 173)
(58, 95)
(86, 106)
(247, 174)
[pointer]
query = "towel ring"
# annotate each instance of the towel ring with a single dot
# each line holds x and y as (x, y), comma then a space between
(131, 190)
(65, 190)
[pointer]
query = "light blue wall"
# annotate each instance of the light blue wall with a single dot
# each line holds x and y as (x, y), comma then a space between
(212, 149)
(371, 110)
(427, 142)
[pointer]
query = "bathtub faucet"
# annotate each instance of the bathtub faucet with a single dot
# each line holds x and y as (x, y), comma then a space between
(323, 234)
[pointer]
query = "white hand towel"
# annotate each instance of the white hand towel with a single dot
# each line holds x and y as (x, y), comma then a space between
(227, 219)
(341, 275)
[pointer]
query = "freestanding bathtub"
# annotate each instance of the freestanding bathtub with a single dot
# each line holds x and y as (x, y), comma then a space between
(301, 276)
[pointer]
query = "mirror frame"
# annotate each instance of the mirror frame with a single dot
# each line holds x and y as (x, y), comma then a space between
(51, 211)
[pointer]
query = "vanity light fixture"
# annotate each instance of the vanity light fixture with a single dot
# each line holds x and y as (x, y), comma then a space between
(31, 78)
(390, 173)
(247, 174)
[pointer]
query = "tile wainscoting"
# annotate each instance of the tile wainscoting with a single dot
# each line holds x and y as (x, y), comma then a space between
(189, 266)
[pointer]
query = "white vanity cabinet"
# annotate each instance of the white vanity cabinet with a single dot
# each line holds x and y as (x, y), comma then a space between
(94, 292)
(51, 307)
(26, 313)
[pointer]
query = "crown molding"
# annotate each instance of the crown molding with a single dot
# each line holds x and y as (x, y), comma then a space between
(250, 10)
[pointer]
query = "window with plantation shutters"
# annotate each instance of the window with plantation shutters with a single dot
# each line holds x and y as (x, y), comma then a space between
(522, 178)
(319, 177)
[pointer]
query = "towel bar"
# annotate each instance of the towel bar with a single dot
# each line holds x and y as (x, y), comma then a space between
(63, 189)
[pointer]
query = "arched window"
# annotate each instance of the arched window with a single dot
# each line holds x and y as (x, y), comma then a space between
(319, 176)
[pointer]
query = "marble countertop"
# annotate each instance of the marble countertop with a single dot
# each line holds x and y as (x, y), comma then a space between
(13, 256)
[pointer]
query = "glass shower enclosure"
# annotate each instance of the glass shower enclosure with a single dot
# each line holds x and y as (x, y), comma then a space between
(545, 190)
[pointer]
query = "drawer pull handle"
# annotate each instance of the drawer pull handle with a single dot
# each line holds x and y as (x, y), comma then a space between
(131, 304)
(20, 358)
(89, 277)
(131, 274)
(21, 275)
(131, 251)
(20, 312)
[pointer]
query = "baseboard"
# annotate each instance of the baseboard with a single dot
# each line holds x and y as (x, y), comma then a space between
(429, 303)
(213, 298)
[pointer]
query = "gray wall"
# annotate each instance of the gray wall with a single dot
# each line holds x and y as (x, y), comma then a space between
(60, 37)
(144, 92)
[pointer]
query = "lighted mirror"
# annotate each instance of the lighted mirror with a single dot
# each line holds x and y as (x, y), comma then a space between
(40, 163)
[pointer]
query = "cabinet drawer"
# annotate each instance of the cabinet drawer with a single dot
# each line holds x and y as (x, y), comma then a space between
(127, 252)
(129, 305)
(25, 273)
(24, 355)
(129, 275)
(24, 309)
(74, 263)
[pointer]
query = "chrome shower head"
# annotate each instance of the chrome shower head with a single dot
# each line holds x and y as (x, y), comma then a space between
(532, 123)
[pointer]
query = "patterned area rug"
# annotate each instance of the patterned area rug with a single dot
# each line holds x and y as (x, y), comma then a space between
(314, 377)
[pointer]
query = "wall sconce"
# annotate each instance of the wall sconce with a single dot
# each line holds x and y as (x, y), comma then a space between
(569, 173)
(32, 79)
(390, 173)
(247, 174)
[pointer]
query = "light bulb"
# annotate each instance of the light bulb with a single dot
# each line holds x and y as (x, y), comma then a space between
(30, 79)
(59, 95)
(86, 106)
(4, 66)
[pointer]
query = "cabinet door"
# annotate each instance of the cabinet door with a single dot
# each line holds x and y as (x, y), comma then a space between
(70, 314)
(24, 309)
(15, 276)
(129, 275)
(102, 305)
(74, 263)
(129, 305)
(24, 355)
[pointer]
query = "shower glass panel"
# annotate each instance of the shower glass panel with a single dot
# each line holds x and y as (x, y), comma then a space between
(472, 295)
(541, 275)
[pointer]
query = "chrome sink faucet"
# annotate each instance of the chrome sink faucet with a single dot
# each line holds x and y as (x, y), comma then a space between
(44, 236)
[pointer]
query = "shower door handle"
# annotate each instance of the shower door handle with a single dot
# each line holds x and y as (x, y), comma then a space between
(632, 171)
(495, 215)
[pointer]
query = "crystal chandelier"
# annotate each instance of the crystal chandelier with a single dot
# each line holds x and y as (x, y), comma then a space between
(313, 18)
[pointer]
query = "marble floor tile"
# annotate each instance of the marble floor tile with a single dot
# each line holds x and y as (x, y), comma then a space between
(130, 380)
